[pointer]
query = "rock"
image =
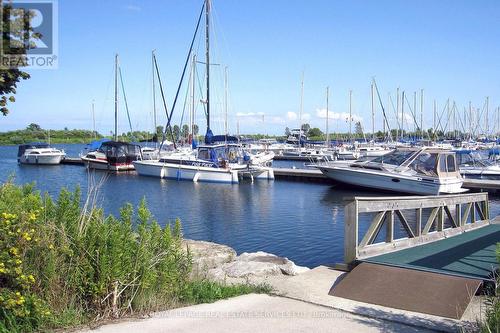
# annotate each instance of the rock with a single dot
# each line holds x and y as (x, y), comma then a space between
(257, 264)
(208, 255)
(220, 262)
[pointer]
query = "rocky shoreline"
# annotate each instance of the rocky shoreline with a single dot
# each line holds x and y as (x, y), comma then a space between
(219, 262)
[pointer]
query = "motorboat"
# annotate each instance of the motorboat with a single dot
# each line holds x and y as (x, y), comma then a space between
(472, 165)
(39, 153)
(425, 171)
(113, 156)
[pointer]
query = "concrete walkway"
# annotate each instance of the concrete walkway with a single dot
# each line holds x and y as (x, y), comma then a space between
(302, 304)
(254, 313)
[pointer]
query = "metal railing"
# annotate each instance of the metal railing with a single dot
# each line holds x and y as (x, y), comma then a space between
(422, 220)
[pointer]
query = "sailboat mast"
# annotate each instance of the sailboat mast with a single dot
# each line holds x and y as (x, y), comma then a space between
(397, 114)
(487, 116)
(402, 115)
(225, 101)
(116, 97)
(154, 94)
(193, 79)
(373, 112)
(422, 114)
(93, 121)
(207, 57)
(327, 117)
(301, 106)
(350, 115)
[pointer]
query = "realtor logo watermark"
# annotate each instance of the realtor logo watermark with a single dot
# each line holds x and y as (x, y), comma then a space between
(29, 34)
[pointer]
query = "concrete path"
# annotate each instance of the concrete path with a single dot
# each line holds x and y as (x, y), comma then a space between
(255, 313)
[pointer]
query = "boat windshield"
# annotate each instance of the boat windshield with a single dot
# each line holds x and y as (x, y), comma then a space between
(397, 157)
(473, 159)
(425, 164)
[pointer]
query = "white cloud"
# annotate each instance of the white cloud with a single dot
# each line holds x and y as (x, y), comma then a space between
(291, 116)
(249, 114)
(321, 113)
(133, 8)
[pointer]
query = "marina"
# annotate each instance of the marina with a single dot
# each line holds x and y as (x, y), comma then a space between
(299, 215)
(285, 165)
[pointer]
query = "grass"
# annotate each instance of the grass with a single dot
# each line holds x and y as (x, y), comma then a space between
(491, 323)
(62, 265)
(205, 291)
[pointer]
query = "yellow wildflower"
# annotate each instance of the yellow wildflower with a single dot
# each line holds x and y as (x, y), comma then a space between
(14, 251)
(51, 246)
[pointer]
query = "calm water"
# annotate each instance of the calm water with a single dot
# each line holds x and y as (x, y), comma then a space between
(301, 221)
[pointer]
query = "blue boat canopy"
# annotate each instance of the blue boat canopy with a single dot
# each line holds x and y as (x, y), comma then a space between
(494, 151)
(462, 151)
(94, 145)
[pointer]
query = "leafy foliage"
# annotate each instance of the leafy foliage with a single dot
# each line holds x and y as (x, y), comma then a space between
(35, 133)
(61, 266)
(492, 322)
(14, 44)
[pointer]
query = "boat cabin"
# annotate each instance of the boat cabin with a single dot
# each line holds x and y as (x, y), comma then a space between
(120, 152)
(429, 162)
(34, 145)
(220, 152)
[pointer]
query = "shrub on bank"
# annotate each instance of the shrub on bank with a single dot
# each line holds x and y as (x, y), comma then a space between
(492, 322)
(62, 266)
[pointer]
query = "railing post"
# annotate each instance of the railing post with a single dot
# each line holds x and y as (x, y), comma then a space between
(458, 214)
(440, 221)
(418, 226)
(351, 232)
(389, 236)
(473, 213)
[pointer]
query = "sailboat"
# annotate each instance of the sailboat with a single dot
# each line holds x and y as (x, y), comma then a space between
(113, 155)
(219, 159)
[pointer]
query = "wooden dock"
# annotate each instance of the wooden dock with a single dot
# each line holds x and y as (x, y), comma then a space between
(314, 175)
(72, 161)
(295, 158)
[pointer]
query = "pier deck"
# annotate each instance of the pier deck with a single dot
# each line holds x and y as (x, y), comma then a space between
(446, 252)
(471, 254)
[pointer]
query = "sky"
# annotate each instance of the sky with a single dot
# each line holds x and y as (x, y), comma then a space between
(450, 49)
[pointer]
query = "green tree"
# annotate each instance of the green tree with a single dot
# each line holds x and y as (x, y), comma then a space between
(306, 127)
(34, 127)
(176, 131)
(358, 128)
(315, 132)
(159, 131)
(185, 131)
(14, 47)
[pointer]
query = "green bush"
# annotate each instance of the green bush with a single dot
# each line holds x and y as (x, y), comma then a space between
(60, 266)
(492, 322)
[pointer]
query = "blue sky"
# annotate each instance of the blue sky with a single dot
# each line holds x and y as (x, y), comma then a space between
(448, 48)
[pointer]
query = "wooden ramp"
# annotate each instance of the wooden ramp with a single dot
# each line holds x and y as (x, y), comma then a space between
(407, 289)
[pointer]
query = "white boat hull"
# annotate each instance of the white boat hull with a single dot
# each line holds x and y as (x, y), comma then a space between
(47, 159)
(391, 182)
(104, 165)
(200, 173)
